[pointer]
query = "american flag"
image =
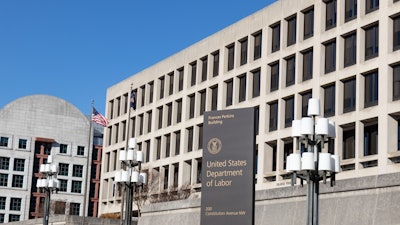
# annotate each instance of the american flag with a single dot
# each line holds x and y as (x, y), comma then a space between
(98, 118)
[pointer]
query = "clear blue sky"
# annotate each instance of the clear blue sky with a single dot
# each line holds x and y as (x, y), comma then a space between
(76, 49)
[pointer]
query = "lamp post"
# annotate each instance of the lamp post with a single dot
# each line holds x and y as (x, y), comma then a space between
(48, 184)
(130, 176)
(312, 164)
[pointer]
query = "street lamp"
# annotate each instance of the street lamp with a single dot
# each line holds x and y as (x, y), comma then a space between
(312, 164)
(130, 175)
(48, 184)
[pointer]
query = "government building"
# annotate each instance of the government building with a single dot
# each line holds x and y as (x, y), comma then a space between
(32, 128)
(343, 52)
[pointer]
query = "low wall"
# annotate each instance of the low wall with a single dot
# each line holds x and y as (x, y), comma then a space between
(373, 200)
(70, 220)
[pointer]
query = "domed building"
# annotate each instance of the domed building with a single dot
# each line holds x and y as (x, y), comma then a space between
(32, 128)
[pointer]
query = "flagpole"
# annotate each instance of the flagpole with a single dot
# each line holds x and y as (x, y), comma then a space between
(126, 148)
(87, 163)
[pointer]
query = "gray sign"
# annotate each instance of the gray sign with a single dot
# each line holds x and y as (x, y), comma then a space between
(227, 191)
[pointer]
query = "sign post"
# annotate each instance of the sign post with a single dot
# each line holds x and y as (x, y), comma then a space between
(227, 193)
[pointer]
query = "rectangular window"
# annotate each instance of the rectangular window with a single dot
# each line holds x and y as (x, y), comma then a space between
(189, 139)
(204, 68)
(304, 102)
(349, 135)
(74, 209)
(308, 23)
(371, 89)
(177, 142)
(22, 143)
(290, 70)
(371, 41)
(76, 186)
(257, 45)
(77, 170)
(274, 76)
(169, 114)
(13, 218)
(2, 216)
(3, 141)
(141, 124)
(3, 203)
(167, 145)
(19, 164)
(18, 181)
(171, 83)
(63, 148)
(396, 33)
(149, 119)
(396, 82)
(3, 179)
(143, 95)
(371, 139)
(242, 88)
(350, 49)
(4, 163)
(331, 11)
(243, 51)
(63, 169)
(329, 100)
(202, 101)
(166, 176)
(200, 140)
(289, 111)
(193, 73)
(330, 56)
(160, 117)
(158, 144)
(349, 95)
(291, 36)
(273, 116)
(180, 84)
(178, 110)
(151, 92)
(307, 64)
(15, 204)
(148, 147)
(371, 5)
(350, 9)
(214, 97)
(229, 92)
(191, 106)
(276, 37)
(215, 63)
(231, 56)
(162, 86)
(256, 83)
(81, 150)
(63, 185)
(287, 150)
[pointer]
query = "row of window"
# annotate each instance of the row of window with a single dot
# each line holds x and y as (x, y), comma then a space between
(16, 182)
(14, 203)
(63, 170)
(23, 144)
(75, 186)
(347, 87)
(174, 81)
(18, 164)
(6, 143)
(11, 217)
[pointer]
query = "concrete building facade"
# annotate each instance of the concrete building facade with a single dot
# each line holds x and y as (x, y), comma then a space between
(344, 52)
(31, 128)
